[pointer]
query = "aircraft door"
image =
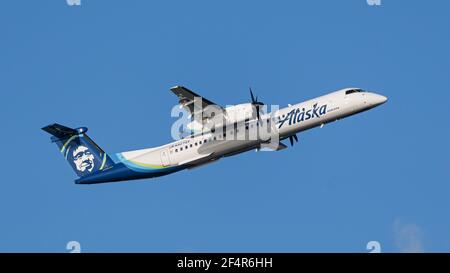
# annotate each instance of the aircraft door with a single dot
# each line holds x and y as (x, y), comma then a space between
(165, 160)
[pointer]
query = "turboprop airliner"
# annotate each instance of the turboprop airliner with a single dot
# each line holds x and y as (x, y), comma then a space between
(214, 132)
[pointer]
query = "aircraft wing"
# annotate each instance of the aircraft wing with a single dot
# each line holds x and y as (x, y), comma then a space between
(190, 101)
(196, 160)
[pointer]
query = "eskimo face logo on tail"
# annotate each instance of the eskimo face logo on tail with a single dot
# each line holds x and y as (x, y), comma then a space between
(83, 159)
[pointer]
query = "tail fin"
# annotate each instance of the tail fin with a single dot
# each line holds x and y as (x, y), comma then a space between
(80, 151)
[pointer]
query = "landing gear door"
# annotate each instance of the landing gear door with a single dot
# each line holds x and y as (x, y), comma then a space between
(165, 160)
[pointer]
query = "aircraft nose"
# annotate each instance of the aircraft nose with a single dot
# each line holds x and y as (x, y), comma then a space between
(378, 99)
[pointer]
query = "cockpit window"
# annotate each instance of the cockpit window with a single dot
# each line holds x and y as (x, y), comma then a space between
(353, 91)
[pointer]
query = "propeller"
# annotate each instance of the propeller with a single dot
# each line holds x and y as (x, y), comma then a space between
(291, 139)
(256, 103)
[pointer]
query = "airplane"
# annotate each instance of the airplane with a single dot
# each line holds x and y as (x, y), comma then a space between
(214, 134)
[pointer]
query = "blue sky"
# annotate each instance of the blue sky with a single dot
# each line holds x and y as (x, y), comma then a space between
(108, 65)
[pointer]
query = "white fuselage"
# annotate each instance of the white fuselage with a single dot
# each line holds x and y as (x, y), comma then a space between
(209, 146)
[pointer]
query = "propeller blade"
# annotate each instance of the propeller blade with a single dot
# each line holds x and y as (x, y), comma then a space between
(291, 140)
(251, 95)
(256, 103)
(295, 137)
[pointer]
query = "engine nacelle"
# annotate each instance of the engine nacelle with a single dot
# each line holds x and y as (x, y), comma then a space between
(233, 114)
(239, 113)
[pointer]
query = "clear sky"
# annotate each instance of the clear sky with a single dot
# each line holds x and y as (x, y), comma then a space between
(382, 175)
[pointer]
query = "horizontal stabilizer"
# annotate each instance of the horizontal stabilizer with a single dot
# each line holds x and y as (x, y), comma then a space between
(59, 130)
